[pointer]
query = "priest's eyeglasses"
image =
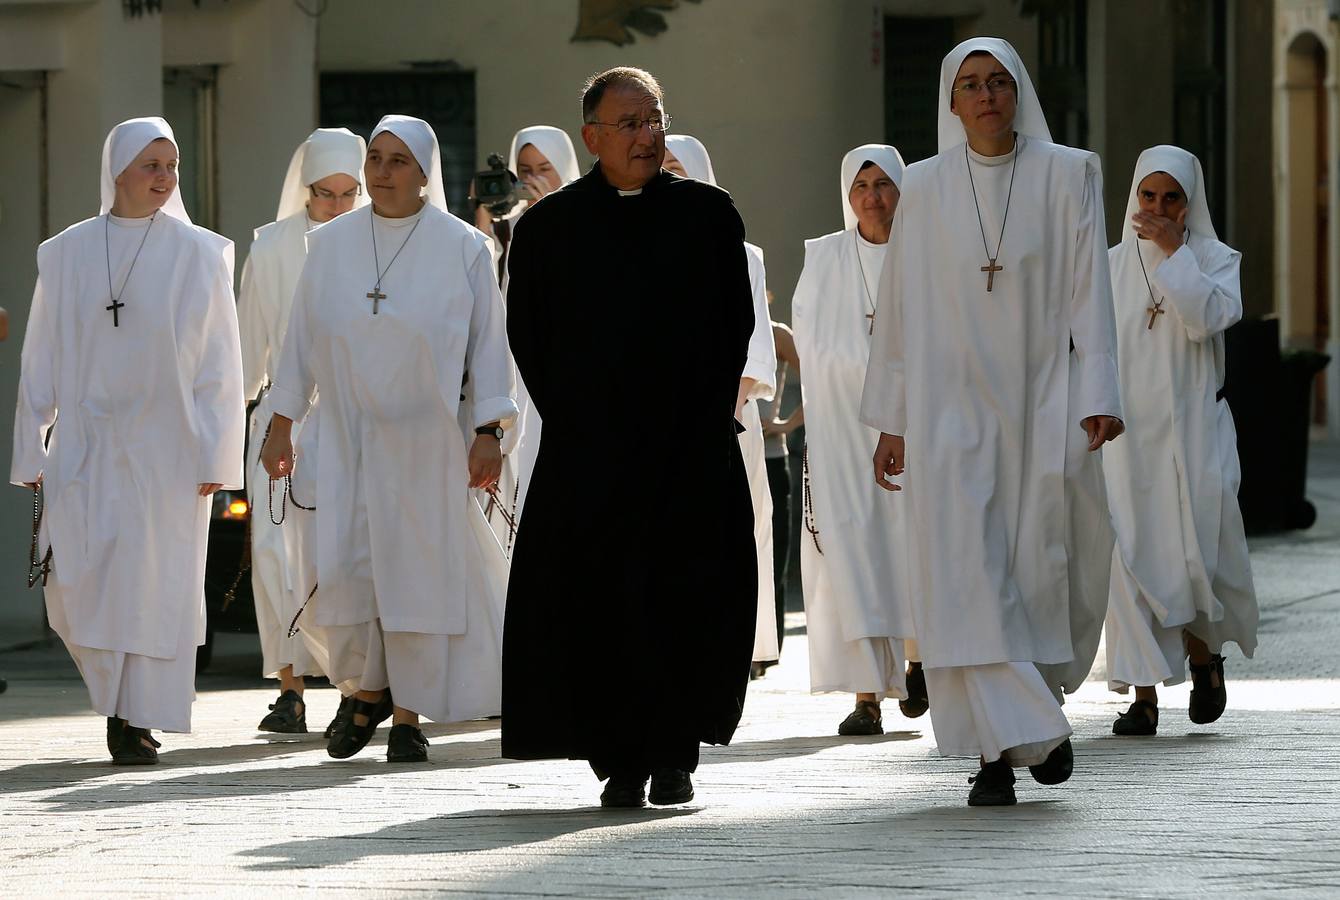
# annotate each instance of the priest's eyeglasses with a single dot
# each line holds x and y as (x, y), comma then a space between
(997, 85)
(630, 127)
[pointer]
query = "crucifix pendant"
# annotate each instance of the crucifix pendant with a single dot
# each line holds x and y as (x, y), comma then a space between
(1154, 311)
(871, 317)
(376, 296)
(991, 271)
(115, 310)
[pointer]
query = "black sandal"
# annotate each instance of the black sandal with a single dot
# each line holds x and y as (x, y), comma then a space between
(130, 748)
(1057, 767)
(285, 717)
(1140, 720)
(918, 701)
(351, 737)
(993, 785)
(1207, 701)
(341, 714)
(864, 719)
(406, 744)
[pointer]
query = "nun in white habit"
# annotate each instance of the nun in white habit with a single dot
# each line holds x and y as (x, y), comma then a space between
(853, 555)
(396, 305)
(1181, 579)
(686, 156)
(324, 180)
(993, 383)
(130, 414)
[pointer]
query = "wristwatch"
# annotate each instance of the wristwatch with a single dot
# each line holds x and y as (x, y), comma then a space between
(490, 431)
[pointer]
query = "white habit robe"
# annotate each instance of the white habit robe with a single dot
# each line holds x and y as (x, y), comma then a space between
(857, 611)
(761, 366)
(138, 416)
(264, 302)
(1009, 547)
(405, 600)
(1181, 558)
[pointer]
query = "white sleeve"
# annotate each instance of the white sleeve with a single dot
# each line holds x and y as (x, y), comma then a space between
(254, 330)
(220, 408)
(761, 363)
(487, 357)
(1093, 326)
(884, 398)
(35, 412)
(295, 386)
(1206, 302)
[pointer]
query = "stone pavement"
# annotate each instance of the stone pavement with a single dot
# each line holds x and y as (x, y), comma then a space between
(1249, 805)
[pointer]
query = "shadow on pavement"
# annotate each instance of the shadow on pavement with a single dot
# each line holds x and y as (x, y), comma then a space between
(478, 829)
(789, 748)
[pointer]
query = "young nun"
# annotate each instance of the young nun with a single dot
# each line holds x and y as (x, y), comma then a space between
(1181, 579)
(131, 370)
(853, 558)
(687, 157)
(397, 304)
(323, 181)
(992, 380)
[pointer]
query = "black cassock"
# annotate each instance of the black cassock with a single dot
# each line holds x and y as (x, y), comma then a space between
(630, 611)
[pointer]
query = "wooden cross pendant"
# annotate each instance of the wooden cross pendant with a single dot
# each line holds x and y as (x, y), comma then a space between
(376, 296)
(991, 271)
(1154, 311)
(871, 317)
(115, 310)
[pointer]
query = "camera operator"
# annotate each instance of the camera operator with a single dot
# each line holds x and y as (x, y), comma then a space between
(544, 160)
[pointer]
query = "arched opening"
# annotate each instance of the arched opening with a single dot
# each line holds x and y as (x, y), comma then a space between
(1308, 211)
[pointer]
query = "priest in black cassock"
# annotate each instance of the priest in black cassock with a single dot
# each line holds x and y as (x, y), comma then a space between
(630, 613)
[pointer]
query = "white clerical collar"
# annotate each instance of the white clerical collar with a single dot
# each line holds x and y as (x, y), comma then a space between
(398, 223)
(128, 222)
(633, 193)
(994, 160)
(864, 243)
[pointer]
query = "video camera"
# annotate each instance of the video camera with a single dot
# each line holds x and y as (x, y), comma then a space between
(497, 189)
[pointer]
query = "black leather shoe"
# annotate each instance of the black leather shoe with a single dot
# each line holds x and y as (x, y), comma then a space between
(1207, 701)
(1057, 767)
(406, 744)
(993, 785)
(1141, 719)
(624, 791)
(288, 715)
(918, 701)
(671, 786)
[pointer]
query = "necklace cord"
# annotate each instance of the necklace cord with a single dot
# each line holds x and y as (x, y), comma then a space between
(107, 242)
(1014, 166)
(376, 263)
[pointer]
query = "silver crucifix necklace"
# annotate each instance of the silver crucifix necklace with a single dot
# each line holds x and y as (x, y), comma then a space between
(376, 295)
(992, 267)
(117, 305)
(864, 284)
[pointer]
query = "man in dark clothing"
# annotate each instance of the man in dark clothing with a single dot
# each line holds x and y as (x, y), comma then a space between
(630, 627)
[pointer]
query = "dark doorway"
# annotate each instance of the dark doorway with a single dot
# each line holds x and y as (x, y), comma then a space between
(445, 100)
(913, 50)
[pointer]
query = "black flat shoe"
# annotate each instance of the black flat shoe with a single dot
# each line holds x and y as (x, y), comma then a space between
(670, 786)
(288, 715)
(993, 785)
(1141, 720)
(340, 715)
(864, 719)
(624, 791)
(351, 737)
(1207, 701)
(115, 727)
(918, 701)
(1057, 767)
(406, 744)
(135, 746)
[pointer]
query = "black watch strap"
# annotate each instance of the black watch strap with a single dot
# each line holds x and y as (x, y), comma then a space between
(490, 430)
